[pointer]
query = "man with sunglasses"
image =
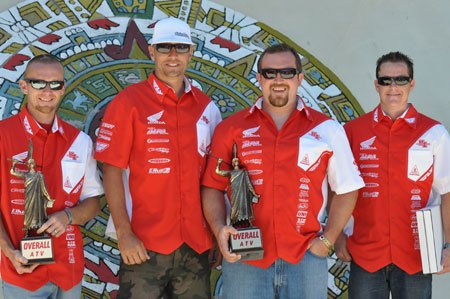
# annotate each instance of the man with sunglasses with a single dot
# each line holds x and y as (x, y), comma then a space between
(64, 155)
(292, 154)
(156, 134)
(403, 157)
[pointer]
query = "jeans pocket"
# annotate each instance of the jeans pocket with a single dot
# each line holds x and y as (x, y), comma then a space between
(315, 255)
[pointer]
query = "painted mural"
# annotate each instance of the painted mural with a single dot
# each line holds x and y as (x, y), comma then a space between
(103, 45)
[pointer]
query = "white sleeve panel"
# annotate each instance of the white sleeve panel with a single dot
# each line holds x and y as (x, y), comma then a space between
(343, 174)
(441, 148)
(92, 185)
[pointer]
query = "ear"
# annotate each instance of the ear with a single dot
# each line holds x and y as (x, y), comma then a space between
(23, 86)
(412, 84)
(258, 77)
(300, 78)
(377, 87)
(151, 50)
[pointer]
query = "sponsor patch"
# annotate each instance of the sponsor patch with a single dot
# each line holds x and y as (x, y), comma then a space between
(159, 170)
(254, 152)
(250, 132)
(159, 160)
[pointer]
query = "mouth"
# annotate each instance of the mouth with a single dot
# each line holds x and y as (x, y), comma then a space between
(46, 100)
(279, 88)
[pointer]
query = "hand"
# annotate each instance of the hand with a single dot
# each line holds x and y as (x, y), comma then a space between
(20, 263)
(318, 248)
(223, 236)
(55, 225)
(445, 261)
(340, 248)
(132, 249)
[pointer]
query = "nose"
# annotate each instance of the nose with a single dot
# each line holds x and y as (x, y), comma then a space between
(173, 52)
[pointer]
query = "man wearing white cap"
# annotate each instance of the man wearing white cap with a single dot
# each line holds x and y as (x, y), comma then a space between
(156, 134)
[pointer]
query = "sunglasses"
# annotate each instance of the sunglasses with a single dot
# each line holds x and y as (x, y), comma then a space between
(42, 84)
(400, 80)
(287, 73)
(166, 48)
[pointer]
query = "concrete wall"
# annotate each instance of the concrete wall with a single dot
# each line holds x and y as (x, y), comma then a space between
(348, 36)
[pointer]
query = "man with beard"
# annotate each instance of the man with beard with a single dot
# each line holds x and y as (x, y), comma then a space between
(157, 133)
(292, 154)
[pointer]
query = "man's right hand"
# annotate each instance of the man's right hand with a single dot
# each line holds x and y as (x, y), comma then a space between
(20, 263)
(223, 236)
(132, 249)
(340, 248)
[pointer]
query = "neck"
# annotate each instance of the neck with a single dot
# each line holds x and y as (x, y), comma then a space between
(394, 113)
(279, 115)
(176, 83)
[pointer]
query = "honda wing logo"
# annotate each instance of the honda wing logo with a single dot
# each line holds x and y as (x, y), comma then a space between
(155, 119)
(250, 132)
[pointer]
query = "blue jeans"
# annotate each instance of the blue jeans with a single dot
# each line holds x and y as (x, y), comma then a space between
(390, 279)
(48, 291)
(307, 279)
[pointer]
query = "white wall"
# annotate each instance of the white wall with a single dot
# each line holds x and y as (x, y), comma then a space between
(349, 35)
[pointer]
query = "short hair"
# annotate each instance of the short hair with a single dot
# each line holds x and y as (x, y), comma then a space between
(396, 57)
(281, 48)
(45, 59)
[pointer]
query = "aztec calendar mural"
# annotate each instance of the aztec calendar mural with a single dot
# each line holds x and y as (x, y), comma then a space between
(103, 45)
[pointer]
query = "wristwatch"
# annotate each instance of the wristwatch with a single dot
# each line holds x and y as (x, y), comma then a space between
(446, 245)
(327, 243)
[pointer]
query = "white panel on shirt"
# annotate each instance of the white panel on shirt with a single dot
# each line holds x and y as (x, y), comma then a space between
(205, 127)
(77, 164)
(431, 150)
(342, 173)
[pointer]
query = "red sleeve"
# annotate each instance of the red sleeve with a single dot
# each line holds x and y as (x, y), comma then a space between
(115, 134)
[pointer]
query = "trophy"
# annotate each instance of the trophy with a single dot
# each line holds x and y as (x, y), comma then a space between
(247, 242)
(34, 247)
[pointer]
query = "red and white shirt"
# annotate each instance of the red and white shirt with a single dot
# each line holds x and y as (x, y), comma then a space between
(65, 157)
(163, 141)
(404, 166)
(290, 169)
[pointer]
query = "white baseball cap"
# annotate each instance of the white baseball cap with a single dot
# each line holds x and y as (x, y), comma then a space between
(171, 30)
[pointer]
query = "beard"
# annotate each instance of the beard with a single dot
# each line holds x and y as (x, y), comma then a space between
(279, 100)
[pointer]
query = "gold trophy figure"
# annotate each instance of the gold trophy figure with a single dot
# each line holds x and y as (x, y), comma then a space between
(38, 248)
(247, 242)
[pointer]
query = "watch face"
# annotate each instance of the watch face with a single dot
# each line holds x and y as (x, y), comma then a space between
(103, 45)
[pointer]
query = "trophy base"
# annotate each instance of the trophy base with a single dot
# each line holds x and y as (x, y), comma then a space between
(37, 250)
(248, 243)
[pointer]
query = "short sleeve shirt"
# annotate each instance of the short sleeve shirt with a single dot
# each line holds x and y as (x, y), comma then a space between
(290, 169)
(163, 141)
(64, 155)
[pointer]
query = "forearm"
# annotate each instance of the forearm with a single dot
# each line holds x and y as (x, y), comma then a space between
(5, 242)
(341, 209)
(445, 210)
(115, 197)
(214, 209)
(85, 211)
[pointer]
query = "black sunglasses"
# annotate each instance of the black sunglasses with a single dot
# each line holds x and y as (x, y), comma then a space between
(166, 48)
(287, 73)
(42, 84)
(400, 80)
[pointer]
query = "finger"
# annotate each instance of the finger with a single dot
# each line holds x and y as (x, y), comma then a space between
(143, 255)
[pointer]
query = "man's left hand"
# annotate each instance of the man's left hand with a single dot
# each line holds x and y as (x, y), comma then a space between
(55, 225)
(445, 261)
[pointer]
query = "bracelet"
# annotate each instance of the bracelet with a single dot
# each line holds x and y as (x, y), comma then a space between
(69, 215)
(446, 245)
(327, 243)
